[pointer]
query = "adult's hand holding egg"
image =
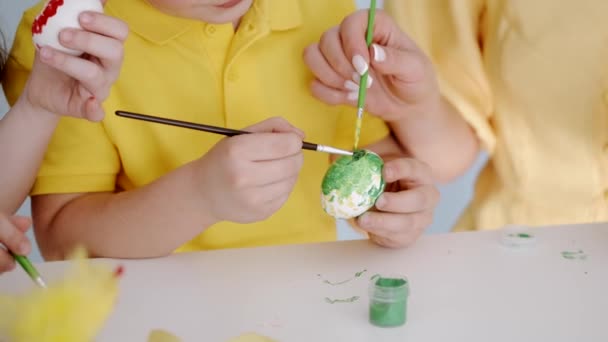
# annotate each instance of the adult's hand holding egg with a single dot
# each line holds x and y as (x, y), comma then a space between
(405, 209)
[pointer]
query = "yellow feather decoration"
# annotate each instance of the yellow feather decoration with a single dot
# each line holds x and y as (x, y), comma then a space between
(71, 310)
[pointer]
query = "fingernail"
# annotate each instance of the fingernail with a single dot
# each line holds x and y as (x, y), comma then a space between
(86, 18)
(67, 36)
(364, 221)
(380, 202)
(360, 64)
(24, 248)
(46, 53)
(388, 173)
(350, 85)
(353, 96)
(300, 133)
(379, 53)
(357, 79)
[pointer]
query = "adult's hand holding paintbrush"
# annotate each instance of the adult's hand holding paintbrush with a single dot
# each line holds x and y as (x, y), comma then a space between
(401, 77)
(404, 91)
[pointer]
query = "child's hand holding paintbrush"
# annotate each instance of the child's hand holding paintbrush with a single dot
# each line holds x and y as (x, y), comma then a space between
(247, 177)
(12, 236)
(251, 175)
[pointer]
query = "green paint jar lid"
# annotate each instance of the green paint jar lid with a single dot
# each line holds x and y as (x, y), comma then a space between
(388, 300)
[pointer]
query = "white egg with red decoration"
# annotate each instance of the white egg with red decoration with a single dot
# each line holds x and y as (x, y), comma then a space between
(58, 15)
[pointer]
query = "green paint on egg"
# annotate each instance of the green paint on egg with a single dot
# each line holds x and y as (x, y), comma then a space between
(352, 184)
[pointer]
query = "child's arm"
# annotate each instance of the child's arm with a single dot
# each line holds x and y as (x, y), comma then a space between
(62, 84)
(242, 179)
(404, 91)
(24, 135)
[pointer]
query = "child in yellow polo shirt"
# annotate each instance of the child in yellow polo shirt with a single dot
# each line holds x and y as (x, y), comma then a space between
(132, 189)
(58, 84)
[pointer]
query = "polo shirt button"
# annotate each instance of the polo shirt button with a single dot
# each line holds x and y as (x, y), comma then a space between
(606, 195)
(606, 97)
(210, 29)
(605, 149)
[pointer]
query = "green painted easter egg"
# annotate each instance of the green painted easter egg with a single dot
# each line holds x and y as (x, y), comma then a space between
(352, 184)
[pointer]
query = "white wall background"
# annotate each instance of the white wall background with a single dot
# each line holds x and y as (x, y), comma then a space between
(454, 197)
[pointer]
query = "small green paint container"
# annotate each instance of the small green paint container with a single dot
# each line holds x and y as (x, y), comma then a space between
(388, 301)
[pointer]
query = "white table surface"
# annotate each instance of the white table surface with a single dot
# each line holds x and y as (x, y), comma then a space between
(464, 287)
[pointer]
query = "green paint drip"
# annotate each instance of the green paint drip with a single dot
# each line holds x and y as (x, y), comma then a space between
(574, 255)
(352, 174)
(357, 275)
(339, 301)
(388, 301)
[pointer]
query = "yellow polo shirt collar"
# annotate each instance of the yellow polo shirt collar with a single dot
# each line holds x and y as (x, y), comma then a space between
(159, 28)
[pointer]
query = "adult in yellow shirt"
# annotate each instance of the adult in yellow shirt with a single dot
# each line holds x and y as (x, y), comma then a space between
(528, 77)
(131, 189)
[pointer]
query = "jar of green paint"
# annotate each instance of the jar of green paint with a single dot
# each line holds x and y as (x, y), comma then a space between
(388, 300)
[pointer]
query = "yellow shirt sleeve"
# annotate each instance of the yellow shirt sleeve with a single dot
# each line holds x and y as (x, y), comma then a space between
(373, 129)
(80, 157)
(450, 33)
(20, 61)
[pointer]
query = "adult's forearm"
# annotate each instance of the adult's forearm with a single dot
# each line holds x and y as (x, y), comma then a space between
(441, 138)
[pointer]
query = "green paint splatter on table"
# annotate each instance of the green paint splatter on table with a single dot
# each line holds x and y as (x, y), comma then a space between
(357, 275)
(353, 174)
(521, 235)
(574, 255)
(340, 301)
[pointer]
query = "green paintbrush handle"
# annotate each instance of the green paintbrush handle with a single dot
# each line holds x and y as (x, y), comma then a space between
(369, 37)
(29, 268)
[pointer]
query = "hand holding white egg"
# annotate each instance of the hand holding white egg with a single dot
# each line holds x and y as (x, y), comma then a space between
(80, 52)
